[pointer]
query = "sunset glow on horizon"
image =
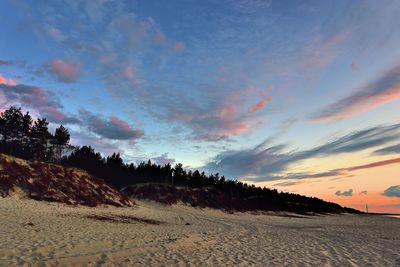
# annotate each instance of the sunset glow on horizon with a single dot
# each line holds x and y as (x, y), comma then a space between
(299, 96)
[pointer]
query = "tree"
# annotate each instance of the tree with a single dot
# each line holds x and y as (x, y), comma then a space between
(40, 136)
(115, 160)
(12, 122)
(14, 130)
(61, 140)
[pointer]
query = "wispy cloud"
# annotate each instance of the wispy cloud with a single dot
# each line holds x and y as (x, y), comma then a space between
(266, 163)
(287, 183)
(221, 118)
(395, 149)
(260, 104)
(344, 172)
(384, 89)
(322, 51)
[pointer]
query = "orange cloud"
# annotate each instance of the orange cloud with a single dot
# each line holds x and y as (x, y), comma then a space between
(383, 90)
(363, 104)
(260, 104)
(3, 80)
(373, 165)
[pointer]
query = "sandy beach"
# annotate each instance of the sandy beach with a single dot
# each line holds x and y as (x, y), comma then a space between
(37, 233)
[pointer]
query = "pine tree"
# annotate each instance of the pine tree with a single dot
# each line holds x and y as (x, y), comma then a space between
(61, 139)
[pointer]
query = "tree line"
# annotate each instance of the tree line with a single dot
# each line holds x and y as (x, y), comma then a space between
(24, 137)
(29, 138)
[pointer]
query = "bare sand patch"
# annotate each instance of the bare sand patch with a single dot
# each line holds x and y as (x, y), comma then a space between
(150, 234)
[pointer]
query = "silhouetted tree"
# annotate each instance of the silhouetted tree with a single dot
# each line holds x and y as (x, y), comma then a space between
(40, 138)
(61, 140)
(20, 137)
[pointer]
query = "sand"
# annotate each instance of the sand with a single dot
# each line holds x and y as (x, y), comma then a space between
(34, 233)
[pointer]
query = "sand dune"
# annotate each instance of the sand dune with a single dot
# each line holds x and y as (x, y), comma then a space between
(55, 183)
(49, 234)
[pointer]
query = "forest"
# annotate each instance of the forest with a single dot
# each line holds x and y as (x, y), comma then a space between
(28, 138)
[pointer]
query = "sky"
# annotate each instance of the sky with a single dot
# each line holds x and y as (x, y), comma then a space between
(301, 96)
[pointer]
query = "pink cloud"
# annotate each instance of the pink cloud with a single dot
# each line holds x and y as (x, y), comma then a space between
(65, 71)
(383, 90)
(40, 102)
(227, 118)
(179, 47)
(372, 165)
(4, 80)
(256, 107)
(128, 73)
(11, 82)
(321, 52)
(260, 104)
(120, 123)
(114, 128)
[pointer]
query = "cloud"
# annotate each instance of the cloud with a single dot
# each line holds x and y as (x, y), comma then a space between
(36, 98)
(55, 33)
(395, 149)
(113, 128)
(371, 165)
(256, 107)
(47, 105)
(136, 60)
(270, 162)
(104, 146)
(220, 118)
(65, 71)
(347, 193)
(322, 51)
(365, 192)
(3, 80)
(393, 191)
(128, 73)
(384, 89)
(163, 159)
(179, 47)
(287, 183)
(5, 62)
(260, 104)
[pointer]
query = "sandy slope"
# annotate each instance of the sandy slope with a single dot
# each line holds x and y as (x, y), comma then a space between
(48, 234)
(51, 182)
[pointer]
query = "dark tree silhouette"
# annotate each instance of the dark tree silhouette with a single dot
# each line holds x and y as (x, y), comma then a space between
(61, 140)
(21, 138)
